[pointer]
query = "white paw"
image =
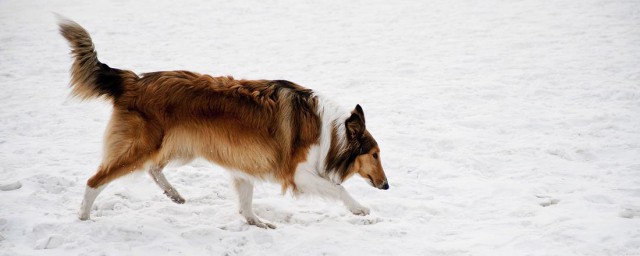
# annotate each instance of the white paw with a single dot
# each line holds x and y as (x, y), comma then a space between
(83, 216)
(84, 213)
(256, 222)
(359, 210)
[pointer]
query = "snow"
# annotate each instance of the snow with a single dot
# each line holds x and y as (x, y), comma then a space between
(506, 127)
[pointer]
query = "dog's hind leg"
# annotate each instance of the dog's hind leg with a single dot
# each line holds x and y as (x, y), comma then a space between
(130, 142)
(244, 190)
(90, 195)
(99, 181)
(157, 176)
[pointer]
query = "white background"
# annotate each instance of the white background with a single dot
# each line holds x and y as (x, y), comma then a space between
(506, 127)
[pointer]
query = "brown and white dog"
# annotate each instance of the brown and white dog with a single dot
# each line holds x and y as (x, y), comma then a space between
(272, 130)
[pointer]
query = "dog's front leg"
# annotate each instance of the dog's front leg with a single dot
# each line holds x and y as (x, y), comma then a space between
(244, 190)
(311, 183)
(353, 205)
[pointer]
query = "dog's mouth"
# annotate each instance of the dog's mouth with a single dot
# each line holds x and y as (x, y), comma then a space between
(371, 181)
(383, 186)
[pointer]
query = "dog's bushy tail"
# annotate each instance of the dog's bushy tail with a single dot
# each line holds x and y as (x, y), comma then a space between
(89, 77)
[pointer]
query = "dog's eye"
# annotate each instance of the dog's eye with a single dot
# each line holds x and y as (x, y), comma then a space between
(375, 155)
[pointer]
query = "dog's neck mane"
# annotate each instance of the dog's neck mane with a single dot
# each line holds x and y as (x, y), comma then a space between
(332, 136)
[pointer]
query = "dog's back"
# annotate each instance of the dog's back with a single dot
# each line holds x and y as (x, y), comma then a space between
(253, 126)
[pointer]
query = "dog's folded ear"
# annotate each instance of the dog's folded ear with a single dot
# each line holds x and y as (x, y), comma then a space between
(355, 123)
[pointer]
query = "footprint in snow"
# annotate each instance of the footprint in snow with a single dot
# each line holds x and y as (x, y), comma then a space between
(630, 212)
(363, 221)
(50, 242)
(545, 201)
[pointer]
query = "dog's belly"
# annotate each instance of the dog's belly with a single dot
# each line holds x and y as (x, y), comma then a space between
(225, 143)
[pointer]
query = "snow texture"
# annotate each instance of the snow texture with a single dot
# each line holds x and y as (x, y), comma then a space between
(506, 127)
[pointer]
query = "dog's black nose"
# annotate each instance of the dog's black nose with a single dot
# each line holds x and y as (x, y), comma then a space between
(385, 186)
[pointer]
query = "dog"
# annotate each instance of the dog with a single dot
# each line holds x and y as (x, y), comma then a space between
(258, 130)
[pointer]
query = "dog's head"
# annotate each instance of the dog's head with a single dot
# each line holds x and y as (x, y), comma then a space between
(364, 150)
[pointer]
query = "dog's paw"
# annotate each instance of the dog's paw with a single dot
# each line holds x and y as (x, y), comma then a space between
(176, 198)
(359, 210)
(83, 215)
(256, 222)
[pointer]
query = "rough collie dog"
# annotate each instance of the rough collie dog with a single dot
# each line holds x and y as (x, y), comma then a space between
(272, 130)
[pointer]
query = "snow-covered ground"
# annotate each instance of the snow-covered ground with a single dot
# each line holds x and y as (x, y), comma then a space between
(506, 127)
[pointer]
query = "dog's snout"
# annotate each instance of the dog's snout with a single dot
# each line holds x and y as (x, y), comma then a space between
(384, 186)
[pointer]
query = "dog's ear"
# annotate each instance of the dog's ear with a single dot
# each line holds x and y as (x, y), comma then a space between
(358, 110)
(355, 123)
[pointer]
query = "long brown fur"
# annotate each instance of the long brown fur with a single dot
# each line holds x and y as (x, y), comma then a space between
(261, 127)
